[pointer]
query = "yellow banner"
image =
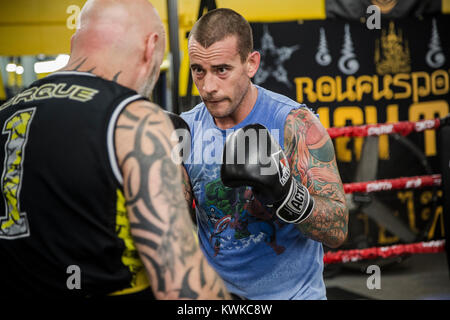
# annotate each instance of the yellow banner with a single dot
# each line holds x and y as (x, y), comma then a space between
(2, 89)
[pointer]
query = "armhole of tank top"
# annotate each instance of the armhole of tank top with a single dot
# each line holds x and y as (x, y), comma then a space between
(281, 123)
(110, 140)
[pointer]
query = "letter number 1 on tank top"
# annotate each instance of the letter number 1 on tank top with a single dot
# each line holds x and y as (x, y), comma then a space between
(14, 223)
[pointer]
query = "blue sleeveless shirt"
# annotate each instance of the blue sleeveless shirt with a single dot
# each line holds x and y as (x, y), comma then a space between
(257, 255)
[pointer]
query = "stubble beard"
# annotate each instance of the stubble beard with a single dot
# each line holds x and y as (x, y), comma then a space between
(232, 107)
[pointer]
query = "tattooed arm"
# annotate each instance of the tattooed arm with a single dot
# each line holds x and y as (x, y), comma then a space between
(159, 218)
(311, 157)
(188, 195)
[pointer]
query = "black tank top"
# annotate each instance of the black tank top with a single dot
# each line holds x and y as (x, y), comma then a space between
(64, 229)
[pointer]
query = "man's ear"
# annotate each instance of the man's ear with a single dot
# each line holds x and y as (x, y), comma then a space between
(150, 47)
(253, 61)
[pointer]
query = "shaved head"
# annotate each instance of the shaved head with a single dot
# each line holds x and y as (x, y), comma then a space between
(121, 40)
(115, 22)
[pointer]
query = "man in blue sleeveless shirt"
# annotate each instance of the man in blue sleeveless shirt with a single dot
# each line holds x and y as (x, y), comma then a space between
(262, 250)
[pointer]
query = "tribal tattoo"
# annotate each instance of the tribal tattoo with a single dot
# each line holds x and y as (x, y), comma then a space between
(77, 64)
(310, 153)
(80, 64)
(160, 224)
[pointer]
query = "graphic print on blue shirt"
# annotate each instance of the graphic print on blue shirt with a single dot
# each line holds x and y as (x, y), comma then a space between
(236, 209)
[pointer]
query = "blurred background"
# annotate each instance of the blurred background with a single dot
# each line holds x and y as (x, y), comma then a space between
(352, 62)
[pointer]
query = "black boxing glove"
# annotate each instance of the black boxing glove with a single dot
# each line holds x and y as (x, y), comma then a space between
(183, 134)
(252, 157)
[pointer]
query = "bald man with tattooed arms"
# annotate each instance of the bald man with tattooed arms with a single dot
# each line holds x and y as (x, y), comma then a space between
(88, 181)
(261, 224)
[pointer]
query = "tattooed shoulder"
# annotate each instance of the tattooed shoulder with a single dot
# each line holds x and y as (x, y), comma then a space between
(302, 126)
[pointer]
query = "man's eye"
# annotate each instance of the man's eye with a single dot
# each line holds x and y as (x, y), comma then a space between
(222, 70)
(197, 70)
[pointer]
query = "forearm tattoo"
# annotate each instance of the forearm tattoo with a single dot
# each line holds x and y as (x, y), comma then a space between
(311, 157)
(159, 219)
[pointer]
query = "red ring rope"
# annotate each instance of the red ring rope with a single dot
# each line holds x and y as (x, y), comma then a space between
(402, 127)
(344, 256)
(393, 184)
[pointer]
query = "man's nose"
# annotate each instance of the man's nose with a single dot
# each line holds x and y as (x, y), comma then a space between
(209, 83)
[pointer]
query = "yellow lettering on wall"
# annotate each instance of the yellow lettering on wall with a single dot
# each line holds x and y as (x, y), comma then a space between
(349, 94)
(326, 89)
(355, 116)
(438, 215)
(324, 116)
(363, 85)
(418, 90)
(413, 86)
(408, 198)
(386, 93)
(400, 80)
(385, 239)
(371, 114)
(305, 85)
(439, 82)
(429, 110)
(425, 199)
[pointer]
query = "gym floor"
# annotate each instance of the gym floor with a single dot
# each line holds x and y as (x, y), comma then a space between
(417, 277)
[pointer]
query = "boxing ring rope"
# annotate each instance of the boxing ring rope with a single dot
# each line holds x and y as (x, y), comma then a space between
(404, 128)
(344, 256)
(394, 184)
